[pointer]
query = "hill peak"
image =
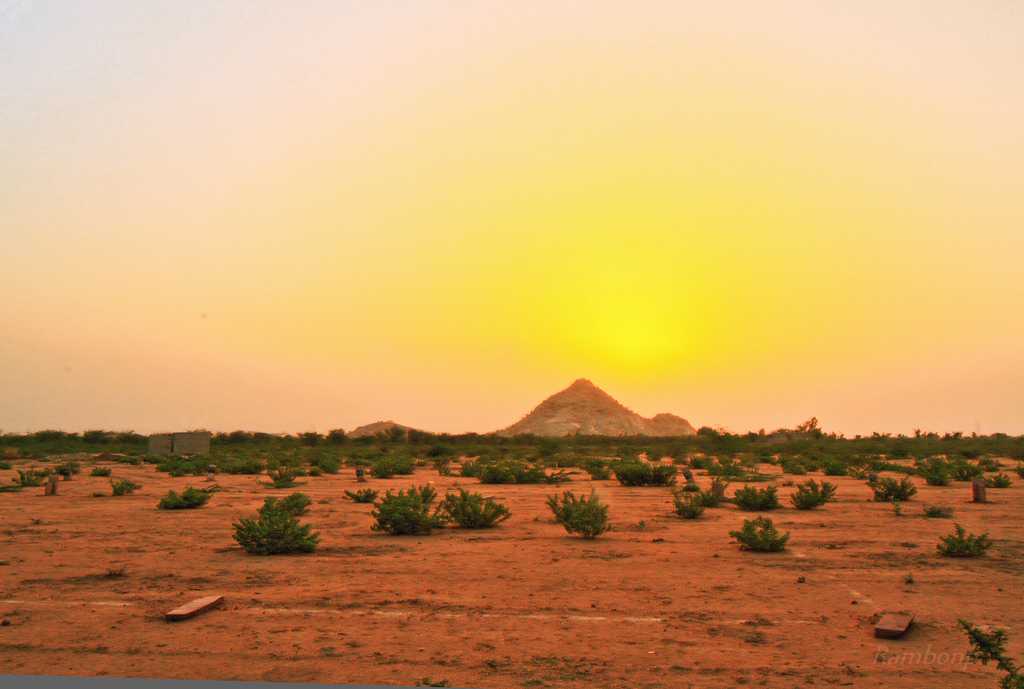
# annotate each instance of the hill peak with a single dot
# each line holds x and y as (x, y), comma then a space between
(585, 409)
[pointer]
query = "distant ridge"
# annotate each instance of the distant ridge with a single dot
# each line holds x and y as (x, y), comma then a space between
(585, 409)
(376, 428)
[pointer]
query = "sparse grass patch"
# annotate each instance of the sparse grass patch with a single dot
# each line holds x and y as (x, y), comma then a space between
(100, 471)
(938, 512)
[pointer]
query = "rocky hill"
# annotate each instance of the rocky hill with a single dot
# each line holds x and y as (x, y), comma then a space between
(583, 408)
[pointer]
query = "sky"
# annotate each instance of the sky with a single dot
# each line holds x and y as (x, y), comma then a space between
(304, 216)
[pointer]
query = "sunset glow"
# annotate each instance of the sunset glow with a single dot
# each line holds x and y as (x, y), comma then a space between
(250, 215)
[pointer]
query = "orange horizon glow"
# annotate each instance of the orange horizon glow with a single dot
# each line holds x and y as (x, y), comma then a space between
(247, 216)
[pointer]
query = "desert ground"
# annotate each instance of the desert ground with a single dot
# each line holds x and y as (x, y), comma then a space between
(657, 602)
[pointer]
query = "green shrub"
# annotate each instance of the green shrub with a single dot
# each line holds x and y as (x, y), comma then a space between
(962, 544)
(586, 516)
(473, 510)
(68, 469)
(963, 470)
(407, 512)
(296, 504)
(793, 466)
(190, 498)
(636, 473)
(443, 465)
(714, 496)
(688, 505)
(366, 495)
(760, 535)
(935, 471)
(990, 646)
(834, 467)
(509, 471)
(100, 471)
(241, 465)
(598, 470)
(31, 477)
(328, 464)
(989, 464)
(812, 494)
(275, 531)
(889, 489)
(283, 476)
(1020, 470)
(1000, 480)
(124, 487)
(386, 467)
(938, 512)
(752, 499)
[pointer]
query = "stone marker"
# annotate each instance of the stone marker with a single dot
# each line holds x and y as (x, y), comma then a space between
(51, 485)
(893, 625)
(978, 489)
(193, 608)
(192, 443)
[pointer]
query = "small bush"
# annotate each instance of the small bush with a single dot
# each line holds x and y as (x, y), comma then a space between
(509, 471)
(328, 464)
(443, 465)
(962, 544)
(963, 470)
(714, 496)
(1000, 480)
(407, 512)
(296, 504)
(31, 478)
(283, 476)
(688, 505)
(124, 487)
(938, 512)
(586, 516)
(275, 531)
(100, 471)
(189, 499)
(793, 466)
(636, 473)
(598, 470)
(834, 467)
(366, 495)
(760, 535)
(812, 494)
(386, 467)
(753, 499)
(68, 469)
(889, 489)
(473, 510)
(935, 471)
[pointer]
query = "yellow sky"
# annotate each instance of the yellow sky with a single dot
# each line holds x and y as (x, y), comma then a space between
(290, 219)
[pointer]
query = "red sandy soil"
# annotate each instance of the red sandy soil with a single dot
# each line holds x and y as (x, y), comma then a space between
(666, 603)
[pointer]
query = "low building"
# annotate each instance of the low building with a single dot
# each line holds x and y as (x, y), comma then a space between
(190, 443)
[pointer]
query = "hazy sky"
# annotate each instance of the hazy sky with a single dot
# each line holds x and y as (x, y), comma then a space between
(298, 216)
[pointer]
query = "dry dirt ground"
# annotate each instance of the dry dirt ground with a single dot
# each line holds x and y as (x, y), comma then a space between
(659, 602)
